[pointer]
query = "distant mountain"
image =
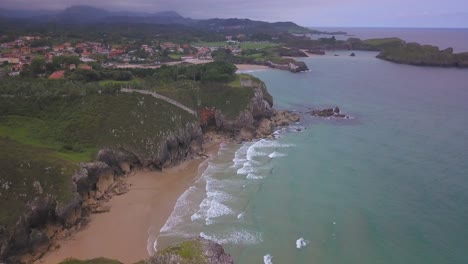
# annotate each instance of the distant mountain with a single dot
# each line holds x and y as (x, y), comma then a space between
(89, 15)
(82, 14)
(25, 13)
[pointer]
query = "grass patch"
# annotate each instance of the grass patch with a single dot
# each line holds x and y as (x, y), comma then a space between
(75, 127)
(29, 131)
(243, 45)
(257, 45)
(214, 44)
(190, 251)
(175, 56)
(23, 165)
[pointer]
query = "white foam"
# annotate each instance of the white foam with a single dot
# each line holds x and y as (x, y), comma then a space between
(241, 216)
(277, 155)
(238, 237)
(252, 176)
(218, 209)
(268, 259)
(180, 210)
(301, 242)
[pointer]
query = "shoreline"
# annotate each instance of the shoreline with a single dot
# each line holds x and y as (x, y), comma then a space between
(251, 67)
(122, 233)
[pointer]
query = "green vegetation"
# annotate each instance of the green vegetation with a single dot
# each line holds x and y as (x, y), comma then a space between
(424, 55)
(76, 126)
(190, 251)
(265, 56)
(376, 44)
(199, 86)
(243, 45)
(29, 171)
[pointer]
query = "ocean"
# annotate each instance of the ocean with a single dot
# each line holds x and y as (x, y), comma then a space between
(388, 185)
(457, 38)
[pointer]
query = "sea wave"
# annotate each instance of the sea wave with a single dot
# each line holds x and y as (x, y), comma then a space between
(237, 237)
(277, 154)
(301, 242)
(268, 259)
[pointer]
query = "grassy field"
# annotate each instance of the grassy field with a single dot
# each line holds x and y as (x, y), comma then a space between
(230, 98)
(29, 171)
(175, 56)
(74, 127)
(243, 45)
(190, 251)
(257, 45)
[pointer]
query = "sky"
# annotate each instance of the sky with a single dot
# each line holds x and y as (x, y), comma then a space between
(318, 13)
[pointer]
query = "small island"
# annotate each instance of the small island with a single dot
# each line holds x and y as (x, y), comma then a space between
(329, 113)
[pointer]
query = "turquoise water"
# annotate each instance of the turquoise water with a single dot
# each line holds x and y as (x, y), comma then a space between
(388, 186)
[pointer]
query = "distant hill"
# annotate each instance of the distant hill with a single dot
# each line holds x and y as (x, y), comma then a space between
(77, 15)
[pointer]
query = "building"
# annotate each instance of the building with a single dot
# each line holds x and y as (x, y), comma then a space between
(57, 75)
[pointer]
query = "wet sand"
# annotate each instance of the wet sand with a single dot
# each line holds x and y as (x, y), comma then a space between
(122, 233)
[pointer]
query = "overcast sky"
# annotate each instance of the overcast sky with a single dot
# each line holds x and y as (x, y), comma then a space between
(387, 13)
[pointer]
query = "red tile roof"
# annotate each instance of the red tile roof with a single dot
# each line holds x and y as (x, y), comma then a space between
(57, 75)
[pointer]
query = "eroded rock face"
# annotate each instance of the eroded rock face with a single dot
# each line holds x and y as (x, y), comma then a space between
(260, 107)
(175, 148)
(29, 238)
(117, 158)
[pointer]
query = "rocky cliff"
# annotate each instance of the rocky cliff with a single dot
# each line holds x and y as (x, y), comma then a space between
(173, 149)
(47, 219)
(259, 107)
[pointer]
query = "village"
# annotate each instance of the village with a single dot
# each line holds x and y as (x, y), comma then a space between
(32, 54)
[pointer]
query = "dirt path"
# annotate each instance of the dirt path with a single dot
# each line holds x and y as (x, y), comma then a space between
(162, 97)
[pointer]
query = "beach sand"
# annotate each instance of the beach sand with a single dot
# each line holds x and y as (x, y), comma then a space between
(249, 67)
(122, 233)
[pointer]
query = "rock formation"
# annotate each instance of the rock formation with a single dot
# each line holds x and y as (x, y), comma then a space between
(199, 250)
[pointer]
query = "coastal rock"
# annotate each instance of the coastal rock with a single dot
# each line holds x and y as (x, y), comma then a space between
(175, 148)
(25, 236)
(259, 107)
(328, 112)
(116, 157)
(199, 250)
(69, 214)
(316, 52)
(94, 176)
(284, 118)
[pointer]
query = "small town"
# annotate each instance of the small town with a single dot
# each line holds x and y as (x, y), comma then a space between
(33, 54)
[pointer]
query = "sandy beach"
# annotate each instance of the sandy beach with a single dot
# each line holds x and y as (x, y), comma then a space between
(122, 233)
(250, 67)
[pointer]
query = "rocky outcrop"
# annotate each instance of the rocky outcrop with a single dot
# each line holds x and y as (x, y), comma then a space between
(293, 66)
(175, 148)
(280, 118)
(47, 218)
(328, 112)
(199, 250)
(259, 107)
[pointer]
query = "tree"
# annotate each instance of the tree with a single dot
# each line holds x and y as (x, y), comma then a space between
(38, 66)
